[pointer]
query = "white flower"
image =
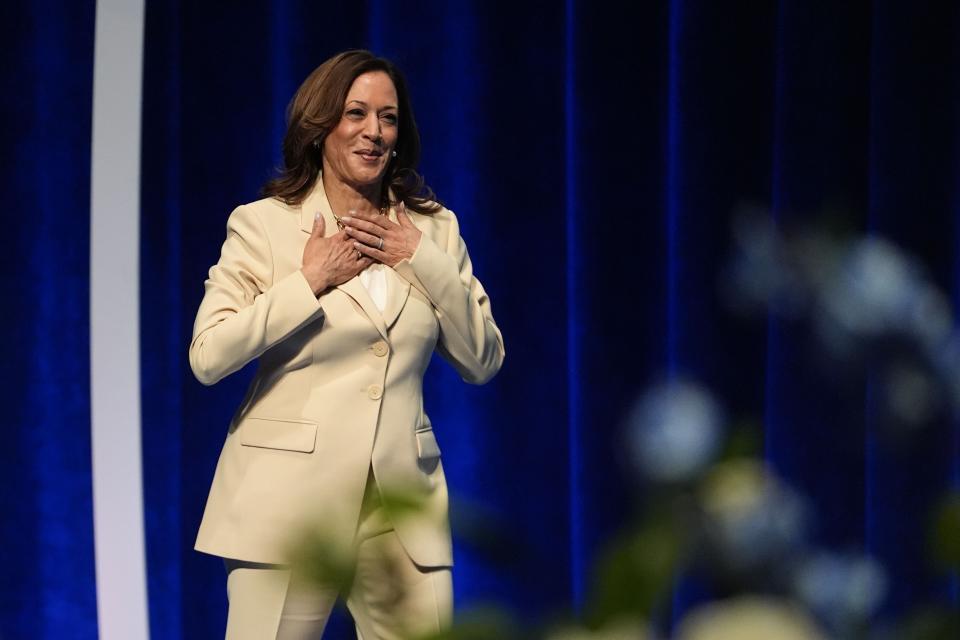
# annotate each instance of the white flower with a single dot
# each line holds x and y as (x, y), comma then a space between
(843, 588)
(674, 431)
(879, 290)
(751, 516)
(748, 618)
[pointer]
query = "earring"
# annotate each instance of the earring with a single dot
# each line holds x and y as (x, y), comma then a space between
(316, 144)
(394, 153)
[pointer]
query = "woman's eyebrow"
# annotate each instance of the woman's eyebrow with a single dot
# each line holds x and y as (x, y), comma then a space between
(364, 104)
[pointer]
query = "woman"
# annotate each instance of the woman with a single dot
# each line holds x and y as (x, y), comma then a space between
(342, 282)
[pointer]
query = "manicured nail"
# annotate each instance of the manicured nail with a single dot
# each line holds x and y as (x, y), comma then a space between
(346, 218)
(316, 216)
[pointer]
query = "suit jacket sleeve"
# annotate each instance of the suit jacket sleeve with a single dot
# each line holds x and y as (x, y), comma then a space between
(469, 338)
(244, 311)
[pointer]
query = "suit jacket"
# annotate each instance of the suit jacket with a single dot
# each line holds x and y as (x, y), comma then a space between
(339, 384)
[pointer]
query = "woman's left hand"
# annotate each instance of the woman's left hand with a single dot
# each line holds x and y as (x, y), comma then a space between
(381, 238)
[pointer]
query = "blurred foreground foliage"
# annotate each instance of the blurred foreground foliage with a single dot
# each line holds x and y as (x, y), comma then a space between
(710, 506)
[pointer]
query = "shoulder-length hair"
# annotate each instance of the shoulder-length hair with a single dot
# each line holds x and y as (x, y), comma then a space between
(317, 108)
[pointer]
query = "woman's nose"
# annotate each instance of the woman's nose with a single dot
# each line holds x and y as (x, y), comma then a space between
(372, 128)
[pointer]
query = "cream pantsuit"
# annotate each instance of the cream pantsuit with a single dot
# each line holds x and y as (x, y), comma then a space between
(389, 598)
(338, 391)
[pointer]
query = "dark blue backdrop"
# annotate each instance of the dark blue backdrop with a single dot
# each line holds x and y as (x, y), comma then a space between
(594, 154)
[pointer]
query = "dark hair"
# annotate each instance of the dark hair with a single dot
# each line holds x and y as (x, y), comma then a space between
(316, 109)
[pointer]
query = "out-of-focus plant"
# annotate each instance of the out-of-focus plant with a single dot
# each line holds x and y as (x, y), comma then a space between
(871, 308)
(867, 302)
(844, 590)
(616, 629)
(946, 533)
(322, 557)
(710, 505)
(674, 431)
(751, 521)
(749, 618)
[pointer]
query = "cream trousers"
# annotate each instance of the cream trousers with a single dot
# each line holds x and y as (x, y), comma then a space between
(390, 597)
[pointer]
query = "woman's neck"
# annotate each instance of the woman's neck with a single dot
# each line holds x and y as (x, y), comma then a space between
(345, 197)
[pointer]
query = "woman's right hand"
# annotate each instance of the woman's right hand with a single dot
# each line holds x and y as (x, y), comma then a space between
(328, 262)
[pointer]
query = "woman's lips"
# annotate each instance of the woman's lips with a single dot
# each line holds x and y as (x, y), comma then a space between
(369, 156)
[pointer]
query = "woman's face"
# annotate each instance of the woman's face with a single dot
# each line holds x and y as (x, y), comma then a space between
(358, 149)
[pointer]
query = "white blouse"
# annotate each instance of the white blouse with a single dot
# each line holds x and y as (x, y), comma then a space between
(374, 279)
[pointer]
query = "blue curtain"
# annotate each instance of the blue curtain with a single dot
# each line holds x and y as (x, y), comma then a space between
(48, 590)
(594, 155)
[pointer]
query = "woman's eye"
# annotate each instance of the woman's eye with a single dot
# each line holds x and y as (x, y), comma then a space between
(355, 113)
(390, 118)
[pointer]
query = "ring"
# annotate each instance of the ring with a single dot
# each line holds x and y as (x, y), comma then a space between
(359, 255)
(381, 244)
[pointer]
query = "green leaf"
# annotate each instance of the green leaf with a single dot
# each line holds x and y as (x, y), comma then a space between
(946, 533)
(635, 571)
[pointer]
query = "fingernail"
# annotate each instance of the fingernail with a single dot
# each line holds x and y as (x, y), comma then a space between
(316, 216)
(346, 218)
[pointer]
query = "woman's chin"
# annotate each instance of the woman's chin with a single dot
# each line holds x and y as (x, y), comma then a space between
(367, 179)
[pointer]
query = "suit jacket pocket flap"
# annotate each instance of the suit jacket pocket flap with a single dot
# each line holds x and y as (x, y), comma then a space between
(288, 435)
(427, 445)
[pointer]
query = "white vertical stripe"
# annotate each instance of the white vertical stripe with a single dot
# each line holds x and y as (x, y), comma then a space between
(115, 323)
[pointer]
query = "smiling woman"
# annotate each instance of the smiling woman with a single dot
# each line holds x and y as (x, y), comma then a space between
(342, 282)
(368, 132)
(320, 111)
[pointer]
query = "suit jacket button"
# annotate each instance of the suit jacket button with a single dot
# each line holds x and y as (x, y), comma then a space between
(374, 391)
(380, 348)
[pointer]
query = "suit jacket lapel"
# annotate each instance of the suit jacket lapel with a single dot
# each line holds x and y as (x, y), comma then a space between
(317, 201)
(397, 288)
(397, 291)
(355, 289)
